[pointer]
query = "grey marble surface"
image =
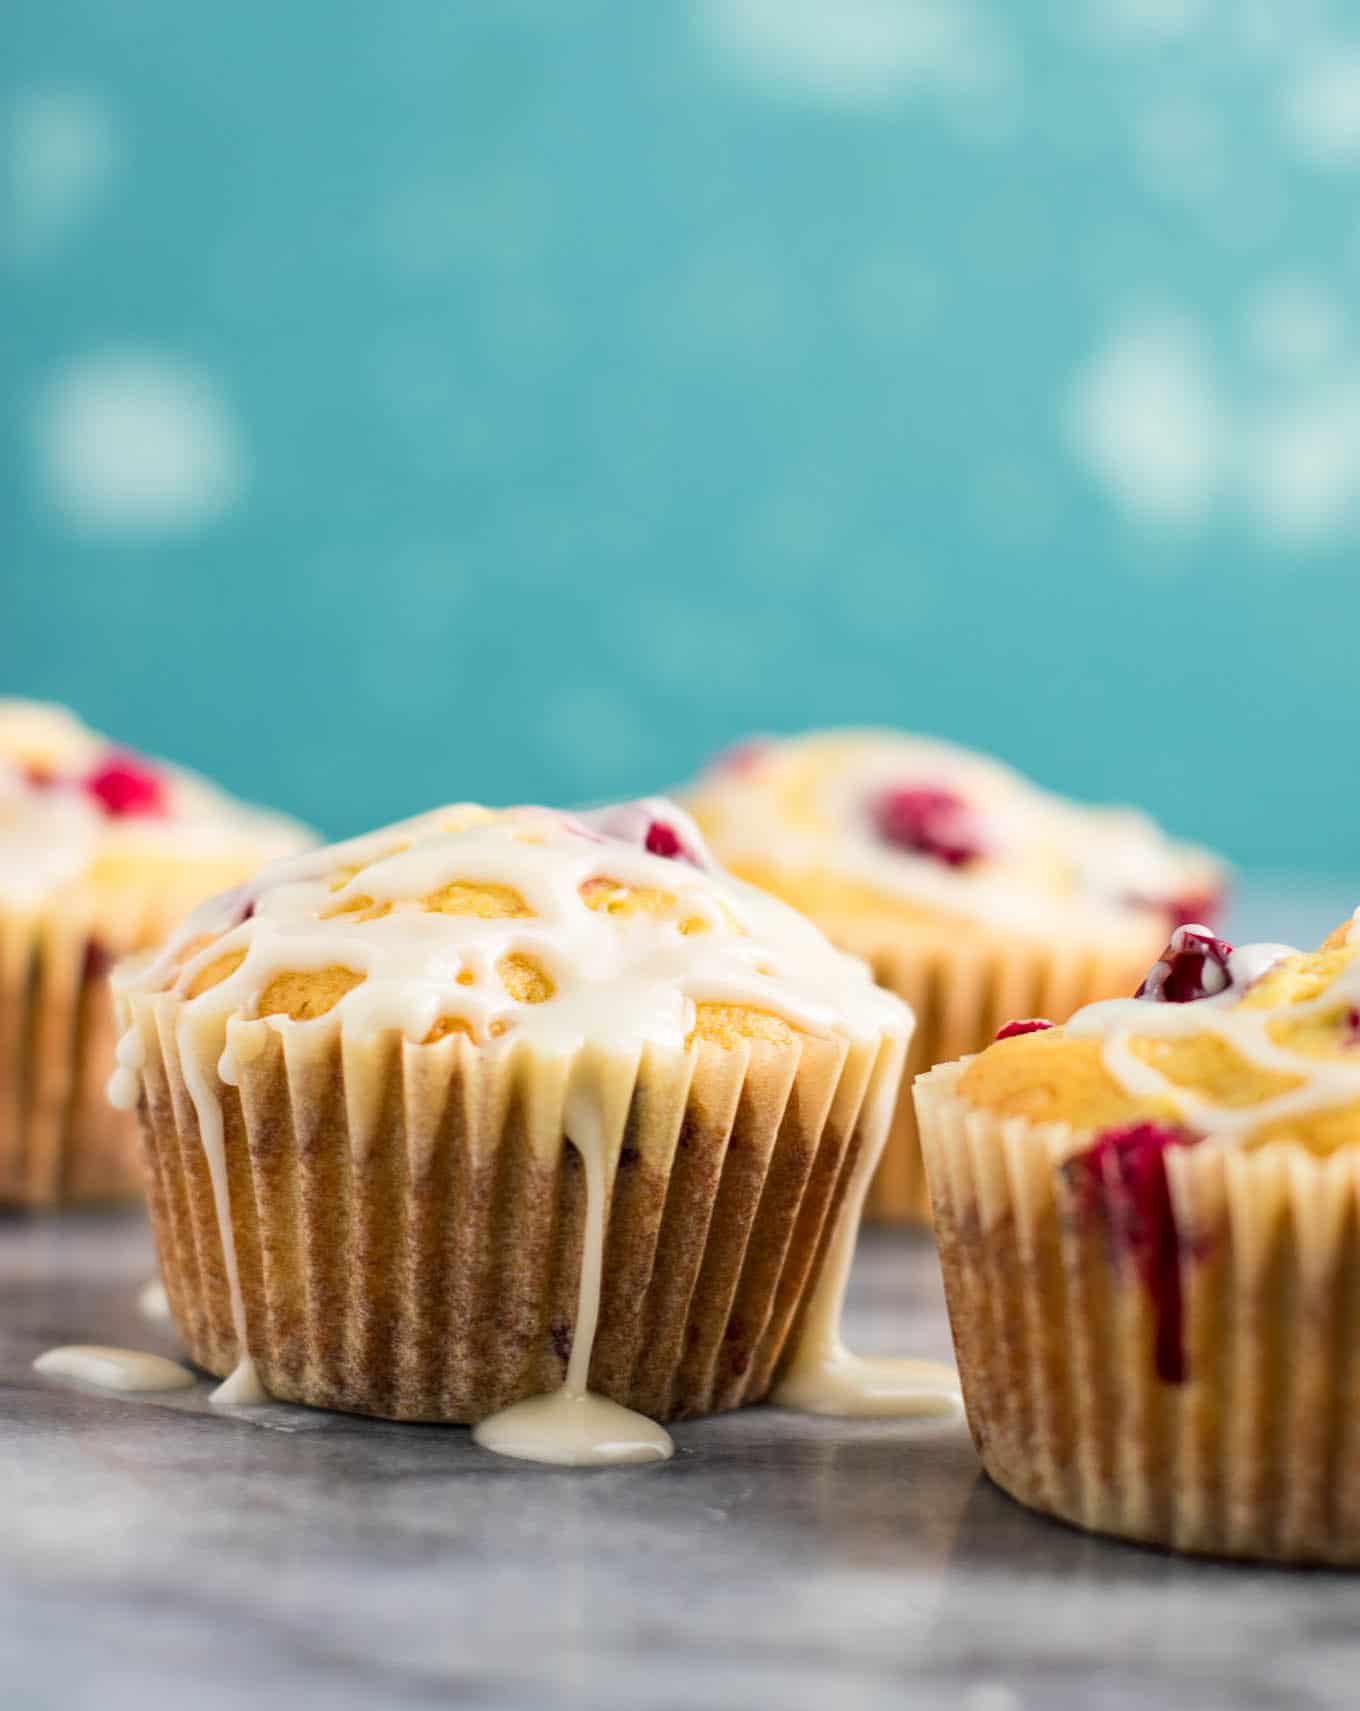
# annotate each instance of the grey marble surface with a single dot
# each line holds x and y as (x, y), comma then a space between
(155, 1552)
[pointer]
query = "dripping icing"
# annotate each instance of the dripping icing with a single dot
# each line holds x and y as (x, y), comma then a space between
(823, 1376)
(572, 1426)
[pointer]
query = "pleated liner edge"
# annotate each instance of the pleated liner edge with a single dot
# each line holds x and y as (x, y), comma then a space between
(409, 1219)
(1257, 1452)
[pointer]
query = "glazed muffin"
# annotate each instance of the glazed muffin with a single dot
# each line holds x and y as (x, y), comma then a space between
(492, 1105)
(101, 853)
(972, 894)
(1149, 1226)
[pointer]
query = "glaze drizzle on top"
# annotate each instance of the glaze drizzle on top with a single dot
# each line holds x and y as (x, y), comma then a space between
(1234, 1014)
(944, 829)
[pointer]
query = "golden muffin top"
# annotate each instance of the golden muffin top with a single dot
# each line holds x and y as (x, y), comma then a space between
(867, 822)
(612, 928)
(75, 809)
(1251, 1046)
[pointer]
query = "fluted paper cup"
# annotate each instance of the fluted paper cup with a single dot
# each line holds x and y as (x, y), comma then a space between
(409, 1219)
(961, 990)
(1255, 1450)
(60, 1140)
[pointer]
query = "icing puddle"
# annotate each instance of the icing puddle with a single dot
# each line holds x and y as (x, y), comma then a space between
(123, 1371)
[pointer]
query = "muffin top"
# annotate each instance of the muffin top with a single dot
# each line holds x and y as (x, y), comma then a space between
(1249, 1046)
(612, 928)
(76, 809)
(868, 822)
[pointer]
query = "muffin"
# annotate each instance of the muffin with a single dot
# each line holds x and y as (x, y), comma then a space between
(496, 1106)
(101, 852)
(971, 893)
(1149, 1226)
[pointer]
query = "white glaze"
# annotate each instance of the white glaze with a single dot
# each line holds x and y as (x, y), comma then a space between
(47, 840)
(1323, 1081)
(124, 1370)
(153, 1303)
(125, 1084)
(1051, 863)
(620, 984)
(571, 1426)
(822, 1375)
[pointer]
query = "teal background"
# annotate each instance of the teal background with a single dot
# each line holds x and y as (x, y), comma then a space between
(562, 390)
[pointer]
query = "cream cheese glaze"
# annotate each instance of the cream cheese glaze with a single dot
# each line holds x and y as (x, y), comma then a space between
(808, 804)
(1323, 1082)
(606, 989)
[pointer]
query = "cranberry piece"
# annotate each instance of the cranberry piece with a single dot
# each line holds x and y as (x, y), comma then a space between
(1027, 1025)
(1194, 965)
(1122, 1176)
(1352, 1025)
(662, 840)
(126, 785)
(97, 962)
(929, 821)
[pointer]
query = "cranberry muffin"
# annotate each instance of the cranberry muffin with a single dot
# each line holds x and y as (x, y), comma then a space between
(973, 895)
(1149, 1226)
(101, 852)
(492, 1106)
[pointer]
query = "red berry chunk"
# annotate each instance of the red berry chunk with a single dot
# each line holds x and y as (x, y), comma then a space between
(663, 840)
(126, 785)
(1352, 1027)
(1194, 965)
(98, 960)
(1027, 1025)
(929, 821)
(1123, 1176)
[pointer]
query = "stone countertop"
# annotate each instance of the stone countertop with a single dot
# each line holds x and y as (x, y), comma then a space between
(156, 1552)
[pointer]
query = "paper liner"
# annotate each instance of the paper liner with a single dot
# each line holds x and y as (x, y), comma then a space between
(408, 1219)
(60, 1140)
(961, 990)
(1257, 1452)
